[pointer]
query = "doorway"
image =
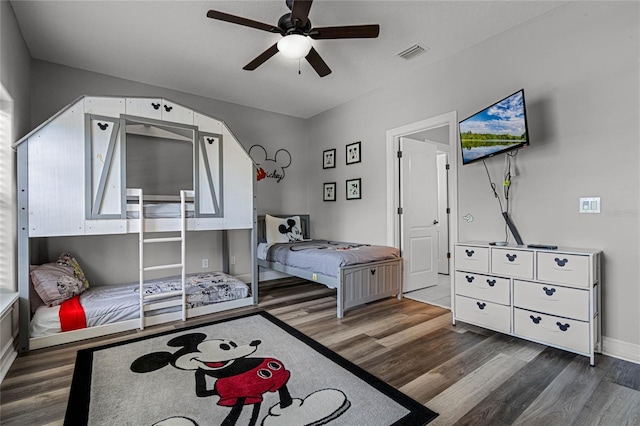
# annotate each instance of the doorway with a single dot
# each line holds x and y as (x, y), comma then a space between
(438, 134)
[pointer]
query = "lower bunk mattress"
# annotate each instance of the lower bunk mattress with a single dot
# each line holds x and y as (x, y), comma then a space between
(102, 305)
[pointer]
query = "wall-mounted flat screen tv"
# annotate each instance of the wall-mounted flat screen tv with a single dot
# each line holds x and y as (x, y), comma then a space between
(497, 129)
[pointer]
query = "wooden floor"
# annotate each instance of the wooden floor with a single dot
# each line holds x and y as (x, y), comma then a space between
(469, 375)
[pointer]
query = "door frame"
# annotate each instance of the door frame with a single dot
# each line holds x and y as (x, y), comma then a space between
(393, 178)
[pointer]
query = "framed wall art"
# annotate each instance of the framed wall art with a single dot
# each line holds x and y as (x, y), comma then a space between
(354, 189)
(329, 191)
(329, 159)
(353, 153)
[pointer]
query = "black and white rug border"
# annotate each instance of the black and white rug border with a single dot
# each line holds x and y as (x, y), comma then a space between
(80, 392)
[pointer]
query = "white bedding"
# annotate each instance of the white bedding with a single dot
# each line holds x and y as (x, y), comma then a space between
(46, 320)
(323, 256)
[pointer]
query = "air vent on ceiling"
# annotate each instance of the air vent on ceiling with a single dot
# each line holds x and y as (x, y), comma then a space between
(412, 52)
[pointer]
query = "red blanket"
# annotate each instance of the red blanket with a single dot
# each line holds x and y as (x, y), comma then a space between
(72, 315)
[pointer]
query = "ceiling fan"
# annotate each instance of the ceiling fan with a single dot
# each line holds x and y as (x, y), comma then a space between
(296, 30)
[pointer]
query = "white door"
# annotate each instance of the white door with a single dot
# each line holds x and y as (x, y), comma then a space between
(419, 202)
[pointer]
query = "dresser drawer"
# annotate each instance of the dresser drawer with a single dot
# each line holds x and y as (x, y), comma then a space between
(471, 258)
(564, 268)
(556, 331)
(485, 314)
(512, 263)
(552, 299)
(492, 289)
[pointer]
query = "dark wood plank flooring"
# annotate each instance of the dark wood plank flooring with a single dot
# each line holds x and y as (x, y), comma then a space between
(469, 375)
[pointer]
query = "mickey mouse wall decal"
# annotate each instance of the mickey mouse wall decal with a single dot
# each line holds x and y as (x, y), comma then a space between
(270, 167)
(241, 380)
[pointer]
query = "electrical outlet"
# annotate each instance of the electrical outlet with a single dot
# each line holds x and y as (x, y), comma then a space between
(589, 204)
(233, 260)
(205, 263)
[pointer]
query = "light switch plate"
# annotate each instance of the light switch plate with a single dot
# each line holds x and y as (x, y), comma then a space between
(589, 204)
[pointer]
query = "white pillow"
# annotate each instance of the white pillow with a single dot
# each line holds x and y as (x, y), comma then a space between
(283, 230)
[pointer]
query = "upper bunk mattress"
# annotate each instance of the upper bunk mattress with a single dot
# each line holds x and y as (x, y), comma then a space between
(323, 256)
(113, 303)
(160, 211)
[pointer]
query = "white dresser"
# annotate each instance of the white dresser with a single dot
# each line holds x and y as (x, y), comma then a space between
(547, 296)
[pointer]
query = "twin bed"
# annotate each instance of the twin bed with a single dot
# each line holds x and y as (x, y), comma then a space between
(98, 308)
(360, 273)
(66, 307)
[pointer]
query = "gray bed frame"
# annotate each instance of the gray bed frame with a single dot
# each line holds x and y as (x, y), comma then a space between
(355, 284)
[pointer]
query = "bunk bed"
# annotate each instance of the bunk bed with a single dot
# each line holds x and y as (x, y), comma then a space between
(131, 165)
(360, 273)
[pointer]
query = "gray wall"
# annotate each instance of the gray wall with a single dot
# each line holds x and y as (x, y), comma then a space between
(14, 74)
(579, 67)
(14, 68)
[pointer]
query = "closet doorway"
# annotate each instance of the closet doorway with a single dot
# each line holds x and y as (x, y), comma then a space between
(439, 134)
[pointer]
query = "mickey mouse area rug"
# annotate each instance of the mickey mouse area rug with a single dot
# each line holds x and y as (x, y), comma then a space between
(248, 370)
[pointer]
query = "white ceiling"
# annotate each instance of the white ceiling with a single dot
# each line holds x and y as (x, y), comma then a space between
(173, 44)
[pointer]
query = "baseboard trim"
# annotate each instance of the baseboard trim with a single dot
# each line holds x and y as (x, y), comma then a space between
(9, 355)
(622, 350)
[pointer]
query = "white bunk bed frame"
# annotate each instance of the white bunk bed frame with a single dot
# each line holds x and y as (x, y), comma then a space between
(356, 285)
(71, 137)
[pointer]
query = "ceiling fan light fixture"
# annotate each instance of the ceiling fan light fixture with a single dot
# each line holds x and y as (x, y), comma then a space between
(294, 46)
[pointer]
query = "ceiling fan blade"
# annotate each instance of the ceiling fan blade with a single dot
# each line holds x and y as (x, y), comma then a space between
(300, 12)
(221, 16)
(262, 58)
(317, 63)
(353, 31)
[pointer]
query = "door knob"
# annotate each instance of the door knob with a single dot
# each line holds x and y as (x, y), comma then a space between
(435, 222)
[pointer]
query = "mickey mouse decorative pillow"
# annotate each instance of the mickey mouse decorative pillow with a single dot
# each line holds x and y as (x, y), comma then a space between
(283, 230)
(59, 281)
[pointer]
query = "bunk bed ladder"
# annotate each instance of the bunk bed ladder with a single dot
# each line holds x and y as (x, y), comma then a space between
(162, 300)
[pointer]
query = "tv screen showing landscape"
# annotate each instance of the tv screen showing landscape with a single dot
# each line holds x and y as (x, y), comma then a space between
(496, 129)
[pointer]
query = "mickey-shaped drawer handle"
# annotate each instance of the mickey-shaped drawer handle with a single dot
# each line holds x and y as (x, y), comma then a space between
(103, 126)
(562, 327)
(469, 278)
(481, 305)
(511, 257)
(155, 106)
(561, 262)
(167, 108)
(491, 282)
(549, 291)
(469, 252)
(373, 271)
(210, 140)
(536, 320)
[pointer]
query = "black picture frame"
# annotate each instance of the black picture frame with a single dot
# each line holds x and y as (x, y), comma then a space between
(354, 189)
(353, 153)
(329, 191)
(329, 159)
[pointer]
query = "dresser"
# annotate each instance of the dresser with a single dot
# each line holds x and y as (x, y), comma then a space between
(546, 296)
